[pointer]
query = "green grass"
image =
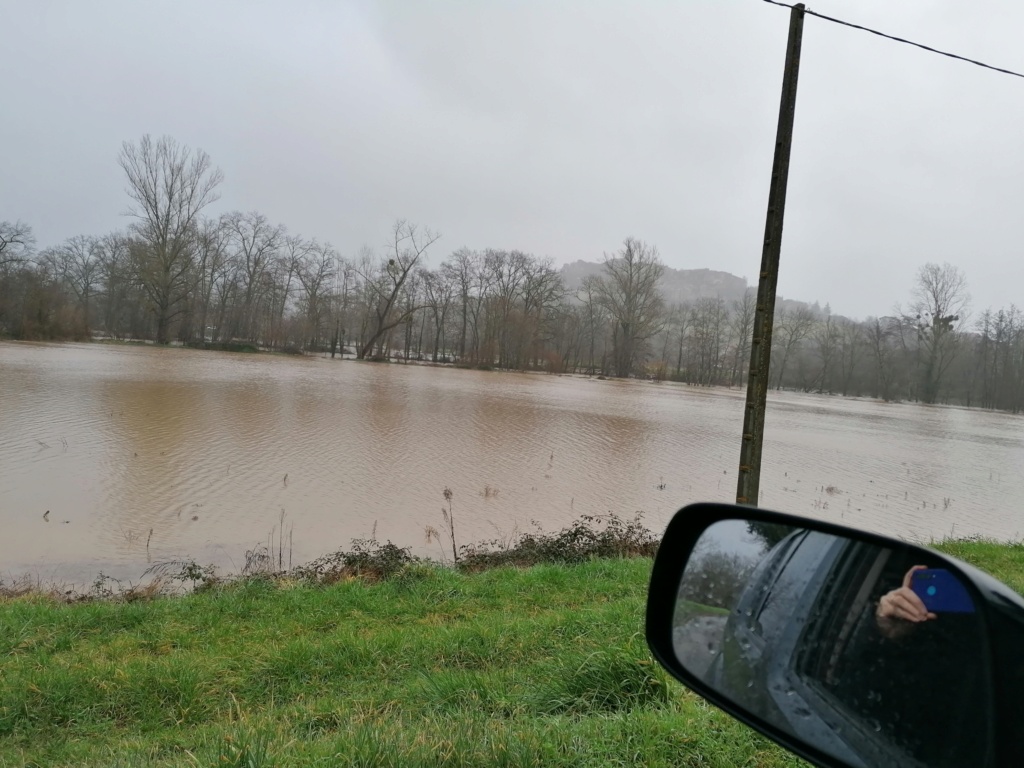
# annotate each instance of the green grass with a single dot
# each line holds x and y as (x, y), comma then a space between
(1005, 562)
(516, 667)
(543, 666)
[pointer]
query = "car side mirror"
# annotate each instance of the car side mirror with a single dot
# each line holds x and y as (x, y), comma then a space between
(849, 649)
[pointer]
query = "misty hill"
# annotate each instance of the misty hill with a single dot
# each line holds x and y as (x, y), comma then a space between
(677, 285)
(683, 286)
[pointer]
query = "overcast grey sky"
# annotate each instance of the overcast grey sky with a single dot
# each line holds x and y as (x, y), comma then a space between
(557, 128)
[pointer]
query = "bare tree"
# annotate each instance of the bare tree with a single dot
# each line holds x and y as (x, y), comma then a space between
(213, 269)
(681, 318)
(315, 273)
(120, 288)
(708, 319)
(508, 271)
(409, 303)
(387, 278)
(826, 344)
(170, 185)
(293, 256)
(567, 318)
(344, 283)
(629, 291)
(255, 242)
(792, 327)
(543, 291)
(881, 334)
(742, 329)
(939, 308)
(16, 243)
(438, 290)
(483, 281)
(851, 340)
(995, 368)
(75, 262)
(595, 322)
(462, 267)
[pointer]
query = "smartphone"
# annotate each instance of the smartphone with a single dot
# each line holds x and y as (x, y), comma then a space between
(941, 591)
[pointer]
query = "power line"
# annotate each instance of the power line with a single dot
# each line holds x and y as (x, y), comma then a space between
(901, 40)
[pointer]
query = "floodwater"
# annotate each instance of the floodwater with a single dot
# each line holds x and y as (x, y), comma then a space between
(142, 455)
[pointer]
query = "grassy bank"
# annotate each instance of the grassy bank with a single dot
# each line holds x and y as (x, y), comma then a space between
(508, 666)
(539, 666)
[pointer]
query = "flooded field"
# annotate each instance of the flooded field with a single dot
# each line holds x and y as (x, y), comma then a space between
(116, 457)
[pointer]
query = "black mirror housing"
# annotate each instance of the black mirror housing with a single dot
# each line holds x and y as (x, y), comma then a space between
(801, 630)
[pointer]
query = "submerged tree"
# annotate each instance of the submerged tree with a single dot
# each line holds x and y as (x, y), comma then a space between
(629, 291)
(176, 275)
(939, 314)
(792, 326)
(384, 280)
(170, 185)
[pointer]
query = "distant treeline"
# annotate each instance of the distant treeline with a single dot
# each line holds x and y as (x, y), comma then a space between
(238, 280)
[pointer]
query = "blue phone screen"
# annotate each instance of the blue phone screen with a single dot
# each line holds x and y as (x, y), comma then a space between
(941, 591)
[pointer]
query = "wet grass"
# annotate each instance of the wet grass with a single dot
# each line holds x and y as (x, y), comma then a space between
(1002, 561)
(375, 659)
(434, 667)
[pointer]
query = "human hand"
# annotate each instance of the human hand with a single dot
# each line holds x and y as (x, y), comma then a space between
(902, 605)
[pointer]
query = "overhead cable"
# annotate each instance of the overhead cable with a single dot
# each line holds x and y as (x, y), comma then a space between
(928, 48)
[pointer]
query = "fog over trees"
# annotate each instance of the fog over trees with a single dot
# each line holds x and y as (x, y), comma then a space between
(177, 274)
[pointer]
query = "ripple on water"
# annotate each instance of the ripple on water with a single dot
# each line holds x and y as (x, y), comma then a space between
(207, 449)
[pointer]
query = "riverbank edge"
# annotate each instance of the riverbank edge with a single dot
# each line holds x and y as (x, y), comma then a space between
(366, 559)
(588, 537)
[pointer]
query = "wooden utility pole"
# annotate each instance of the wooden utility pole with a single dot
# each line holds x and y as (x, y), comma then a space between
(761, 347)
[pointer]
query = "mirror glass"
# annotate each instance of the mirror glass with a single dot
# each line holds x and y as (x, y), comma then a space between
(872, 654)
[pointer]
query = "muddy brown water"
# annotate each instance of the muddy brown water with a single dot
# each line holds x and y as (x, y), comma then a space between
(143, 455)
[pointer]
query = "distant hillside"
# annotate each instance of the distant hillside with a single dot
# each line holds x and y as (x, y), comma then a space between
(677, 285)
(682, 286)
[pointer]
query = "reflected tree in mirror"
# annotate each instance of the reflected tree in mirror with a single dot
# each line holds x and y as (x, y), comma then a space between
(770, 533)
(875, 655)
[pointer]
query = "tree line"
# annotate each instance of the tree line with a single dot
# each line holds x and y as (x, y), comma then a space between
(176, 274)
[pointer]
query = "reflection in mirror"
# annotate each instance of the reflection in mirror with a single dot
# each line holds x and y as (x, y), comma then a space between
(874, 655)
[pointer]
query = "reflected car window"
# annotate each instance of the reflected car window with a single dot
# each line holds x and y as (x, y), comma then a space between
(786, 593)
